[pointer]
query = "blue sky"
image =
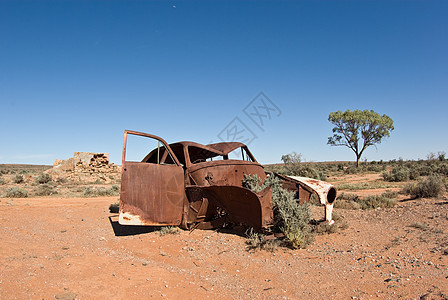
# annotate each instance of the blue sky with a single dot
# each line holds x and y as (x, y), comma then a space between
(75, 74)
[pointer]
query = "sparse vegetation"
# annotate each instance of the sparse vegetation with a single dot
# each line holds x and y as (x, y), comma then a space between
(45, 190)
(293, 165)
(347, 201)
(16, 192)
(169, 230)
(365, 186)
(398, 173)
(353, 201)
(18, 179)
(429, 187)
(290, 218)
(43, 178)
(94, 192)
(376, 201)
(114, 207)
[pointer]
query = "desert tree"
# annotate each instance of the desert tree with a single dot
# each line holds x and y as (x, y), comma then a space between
(359, 130)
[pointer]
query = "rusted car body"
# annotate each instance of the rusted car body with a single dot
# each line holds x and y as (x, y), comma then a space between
(191, 185)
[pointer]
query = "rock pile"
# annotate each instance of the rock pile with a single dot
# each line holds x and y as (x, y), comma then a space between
(86, 167)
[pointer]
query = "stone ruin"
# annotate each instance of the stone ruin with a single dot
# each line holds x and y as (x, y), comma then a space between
(86, 167)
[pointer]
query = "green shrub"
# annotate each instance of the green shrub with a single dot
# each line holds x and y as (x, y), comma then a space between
(94, 192)
(16, 192)
(352, 170)
(2, 181)
(376, 201)
(115, 207)
(429, 187)
(374, 168)
(353, 201)
(397, 174)
(169, 230)
(389, 194)
(18, 179)
(43, 178)
(347, 201)
(289, 217)
(294, 166)
(45, 190)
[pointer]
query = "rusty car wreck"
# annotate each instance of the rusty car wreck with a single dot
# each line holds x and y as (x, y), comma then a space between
(191, 185)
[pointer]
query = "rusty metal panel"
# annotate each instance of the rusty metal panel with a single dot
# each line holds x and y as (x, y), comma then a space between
(224, 172)
(240, 204)
(151, 194)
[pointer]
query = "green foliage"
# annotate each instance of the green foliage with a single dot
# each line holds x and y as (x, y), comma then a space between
(16, 192)
(43, 178)
(359, 130)
(45, 190)
(2, 181)
(257, 241)
(365, 186)
(169, 230)
(114, 207)
(353, 201)
(397, 174)
(347, 201)
(93, 192)
(18, 179)
(376, 201)
(429, 187)
(294, 166)
(352, 170)
(390, 194)
(289, 217)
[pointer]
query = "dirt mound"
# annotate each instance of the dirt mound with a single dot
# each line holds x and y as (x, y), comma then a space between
(86, 167)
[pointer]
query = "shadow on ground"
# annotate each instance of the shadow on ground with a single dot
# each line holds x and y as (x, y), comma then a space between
(124, 230)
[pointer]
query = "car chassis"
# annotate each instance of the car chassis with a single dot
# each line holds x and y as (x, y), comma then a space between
(192, 185)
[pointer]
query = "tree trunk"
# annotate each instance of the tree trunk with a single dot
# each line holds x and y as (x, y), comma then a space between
(357, 160)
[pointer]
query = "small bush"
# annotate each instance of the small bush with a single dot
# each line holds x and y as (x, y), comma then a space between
(389, 194)
(347, 201)
(376, 201)
(259, 243)
(45, 190)
(256, 241)
(169, 230)
(347, 196)
(352, 170)
(18, 179)
(397, 174)
(374, 168)
(115, 207)
(94, 192)
(289, 217)
(294, 166)
(43, 178)
(16, 192)
(2, 181)
(429, 187)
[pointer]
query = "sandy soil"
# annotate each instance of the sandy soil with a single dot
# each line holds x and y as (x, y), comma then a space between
(67, 248)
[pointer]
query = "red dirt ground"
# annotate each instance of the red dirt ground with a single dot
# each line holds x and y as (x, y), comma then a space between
(67, 248)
